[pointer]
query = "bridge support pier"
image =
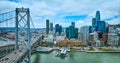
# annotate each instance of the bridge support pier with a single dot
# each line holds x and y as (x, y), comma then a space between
(22, 25)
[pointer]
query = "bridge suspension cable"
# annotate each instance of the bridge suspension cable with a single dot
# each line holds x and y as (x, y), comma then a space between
(32, 21)
(7, 16)
(7, 12)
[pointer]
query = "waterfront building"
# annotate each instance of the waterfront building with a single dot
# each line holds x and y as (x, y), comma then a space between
(47, 26)
(118, 35)
(113, 39)
(93, 38)
(104, 38)
(98, 43)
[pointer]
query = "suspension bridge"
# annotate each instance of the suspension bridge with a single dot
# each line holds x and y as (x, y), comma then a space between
(21, 20)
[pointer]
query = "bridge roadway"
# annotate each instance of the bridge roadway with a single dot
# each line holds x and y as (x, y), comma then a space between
(18, 55)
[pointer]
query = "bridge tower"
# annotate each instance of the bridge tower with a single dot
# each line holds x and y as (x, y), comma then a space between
(22, 26)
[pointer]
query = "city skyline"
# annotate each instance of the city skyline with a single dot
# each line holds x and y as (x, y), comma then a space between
(71, 29)
(64, 12)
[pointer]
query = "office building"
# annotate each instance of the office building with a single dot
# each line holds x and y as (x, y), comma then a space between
(94, 24)
(113, 39)
(47, 26)
(98, 25)
(85, 31)
(58, 29)
(67, 32)
(98, 16)
(51, 26)
(71, 31)
(101, 27)
(73, 24)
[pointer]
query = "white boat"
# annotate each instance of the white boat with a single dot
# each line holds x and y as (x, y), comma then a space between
(62, 53)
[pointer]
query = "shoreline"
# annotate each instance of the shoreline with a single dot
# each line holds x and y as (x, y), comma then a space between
(101, 52)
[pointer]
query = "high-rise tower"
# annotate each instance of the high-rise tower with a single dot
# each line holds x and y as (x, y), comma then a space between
(51, 26)
(97, 15)
(47, 26)
(94, 24)
(73, 24)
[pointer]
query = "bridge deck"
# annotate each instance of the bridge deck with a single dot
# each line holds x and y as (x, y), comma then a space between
(16, 55)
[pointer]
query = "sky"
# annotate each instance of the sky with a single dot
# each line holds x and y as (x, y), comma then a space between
(64, 12)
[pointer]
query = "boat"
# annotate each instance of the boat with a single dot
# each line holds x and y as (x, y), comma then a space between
(62, 53)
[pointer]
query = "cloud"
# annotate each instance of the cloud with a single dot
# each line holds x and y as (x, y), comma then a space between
(64, 12)
(114, 21)
(76, 17)
(111, 18)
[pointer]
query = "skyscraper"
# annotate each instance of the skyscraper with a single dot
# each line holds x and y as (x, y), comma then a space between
(47, 26)
(71, 31)
(97, 15)
(51, 26)
(73, 24)
(101, 28)
(94, 24)
(85, 31)
(58, 29)
(67, 32)
(76, 33)
(97, 24)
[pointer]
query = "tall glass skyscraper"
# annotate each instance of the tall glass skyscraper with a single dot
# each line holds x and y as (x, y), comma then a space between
(94, 24)
(97, 24)
(67, 32)
(85, 31)
(73, 24)
(51, 26)
(58, 29)
(97, 15)
(47, 26)
(101, 27)
(71, 31)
